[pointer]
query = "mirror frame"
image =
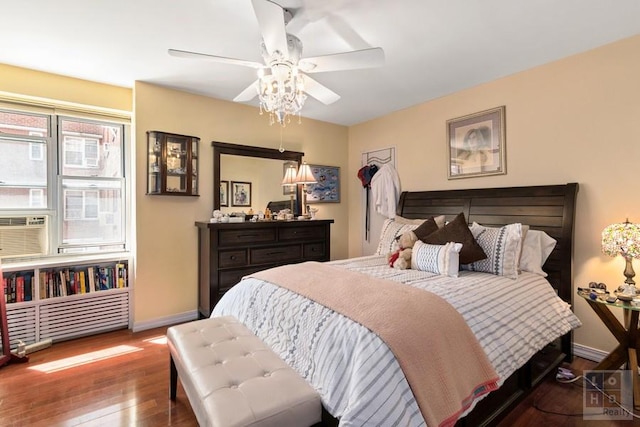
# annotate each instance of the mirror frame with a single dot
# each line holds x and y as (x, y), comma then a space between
(220, 148)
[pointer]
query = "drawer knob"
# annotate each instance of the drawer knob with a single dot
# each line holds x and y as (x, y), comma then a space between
(232, 257)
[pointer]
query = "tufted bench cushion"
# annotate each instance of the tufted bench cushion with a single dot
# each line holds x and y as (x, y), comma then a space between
(232, 378)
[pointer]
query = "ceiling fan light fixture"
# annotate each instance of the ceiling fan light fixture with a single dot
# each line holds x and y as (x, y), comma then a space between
(281, 92)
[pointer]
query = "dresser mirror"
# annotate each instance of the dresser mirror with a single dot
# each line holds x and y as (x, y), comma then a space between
(255, 170)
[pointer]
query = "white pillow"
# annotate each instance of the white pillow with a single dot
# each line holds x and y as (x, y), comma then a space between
(502, 246)
(439, 259)
(390, 230)
(536, 248)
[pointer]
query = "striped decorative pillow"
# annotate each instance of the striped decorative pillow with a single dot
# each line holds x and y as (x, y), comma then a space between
(439, 259)
(502, 246)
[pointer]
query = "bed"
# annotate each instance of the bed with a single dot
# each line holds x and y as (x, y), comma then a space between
(361, 382)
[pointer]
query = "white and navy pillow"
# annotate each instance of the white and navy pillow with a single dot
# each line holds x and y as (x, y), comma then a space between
(438, 259)
(502, 246)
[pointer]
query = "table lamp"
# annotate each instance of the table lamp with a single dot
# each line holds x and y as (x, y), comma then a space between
(290, 180)
(304, 177)
(623, 239)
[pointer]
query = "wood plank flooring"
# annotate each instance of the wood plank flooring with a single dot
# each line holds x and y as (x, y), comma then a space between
(121, 378)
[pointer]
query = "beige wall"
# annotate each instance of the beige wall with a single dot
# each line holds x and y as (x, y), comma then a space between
(166, 236)
(574, 120)
(43, 86)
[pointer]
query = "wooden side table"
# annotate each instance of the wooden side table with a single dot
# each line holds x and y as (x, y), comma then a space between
(627, 336)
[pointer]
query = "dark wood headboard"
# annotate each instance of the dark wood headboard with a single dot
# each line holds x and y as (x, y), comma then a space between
(550, 208)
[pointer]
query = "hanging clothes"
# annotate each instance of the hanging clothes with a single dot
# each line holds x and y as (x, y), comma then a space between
(365, 174)
(385, 189)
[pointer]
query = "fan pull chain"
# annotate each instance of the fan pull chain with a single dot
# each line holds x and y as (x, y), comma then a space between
(281, 149)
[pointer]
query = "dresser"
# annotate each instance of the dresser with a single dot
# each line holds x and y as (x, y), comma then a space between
(229, 251)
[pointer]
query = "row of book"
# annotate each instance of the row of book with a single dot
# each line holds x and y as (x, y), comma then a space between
(52, 283)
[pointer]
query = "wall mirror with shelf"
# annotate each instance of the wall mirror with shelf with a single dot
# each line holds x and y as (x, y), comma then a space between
(264, 168)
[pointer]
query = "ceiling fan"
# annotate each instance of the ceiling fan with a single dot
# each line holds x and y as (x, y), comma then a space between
(282, 83)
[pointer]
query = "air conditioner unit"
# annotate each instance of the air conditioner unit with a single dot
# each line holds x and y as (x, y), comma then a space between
(23, 236)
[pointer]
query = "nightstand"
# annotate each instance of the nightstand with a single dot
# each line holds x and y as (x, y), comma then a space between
(627, 336)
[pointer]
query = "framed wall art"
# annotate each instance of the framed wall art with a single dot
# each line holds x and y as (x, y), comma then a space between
(224, 193)
(476, 144)
(240, 193)
(327, 189)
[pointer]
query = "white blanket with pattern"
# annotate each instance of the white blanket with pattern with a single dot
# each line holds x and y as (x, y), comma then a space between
(357, 376)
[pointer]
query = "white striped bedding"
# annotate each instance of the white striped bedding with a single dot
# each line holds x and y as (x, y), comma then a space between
(358, 378)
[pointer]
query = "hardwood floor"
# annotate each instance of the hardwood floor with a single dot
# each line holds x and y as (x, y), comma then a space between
(129, 387)
(122, 379)
(557, 398)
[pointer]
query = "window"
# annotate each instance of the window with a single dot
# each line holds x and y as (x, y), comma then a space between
(92, 184)
(21, 171)
(71, 169)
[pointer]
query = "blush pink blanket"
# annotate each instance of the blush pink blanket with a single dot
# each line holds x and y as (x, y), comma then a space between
(441, 358)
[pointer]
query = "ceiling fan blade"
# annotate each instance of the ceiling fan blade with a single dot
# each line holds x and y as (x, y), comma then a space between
(365, 58)
(319, 91)
(272, 27)
(248, 94)
(195, 55)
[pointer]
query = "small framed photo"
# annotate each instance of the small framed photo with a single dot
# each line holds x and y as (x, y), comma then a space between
(240, 193)
(224, 193)
(476, 144)
(327, 189)
(288, 190)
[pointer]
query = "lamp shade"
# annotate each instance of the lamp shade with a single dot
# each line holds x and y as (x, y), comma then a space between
(621, 239)
(290, 176)
(305, 176)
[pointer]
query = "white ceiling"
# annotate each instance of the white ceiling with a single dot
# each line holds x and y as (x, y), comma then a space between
(432, 47)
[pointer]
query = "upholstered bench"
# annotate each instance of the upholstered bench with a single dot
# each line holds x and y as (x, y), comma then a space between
(232, 378)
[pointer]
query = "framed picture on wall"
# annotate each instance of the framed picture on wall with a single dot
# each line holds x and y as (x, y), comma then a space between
(327, 189)
(240, 193)
(476, 144)
(224, 193)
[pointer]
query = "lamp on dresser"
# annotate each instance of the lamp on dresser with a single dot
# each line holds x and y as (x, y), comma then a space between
(623, 239)
(290, 180)
(304, 177)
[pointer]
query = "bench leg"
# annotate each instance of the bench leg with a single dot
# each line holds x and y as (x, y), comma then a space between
(173, 379)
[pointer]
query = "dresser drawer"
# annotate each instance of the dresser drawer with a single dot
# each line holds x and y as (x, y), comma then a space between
(276, 254)
(227, 279)
(302, 233)
(314, 250)
(237, 258)
(246, 236)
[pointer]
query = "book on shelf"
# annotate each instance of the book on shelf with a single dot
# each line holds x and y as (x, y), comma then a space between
(83, 289)
(92, 279)
(103, 278)
(28, 287)
(19, 288)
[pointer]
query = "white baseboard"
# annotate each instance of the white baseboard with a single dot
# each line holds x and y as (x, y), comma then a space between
(589, 353)
(165, 321)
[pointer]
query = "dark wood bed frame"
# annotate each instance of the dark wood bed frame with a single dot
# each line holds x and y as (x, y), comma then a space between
(550, 208)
